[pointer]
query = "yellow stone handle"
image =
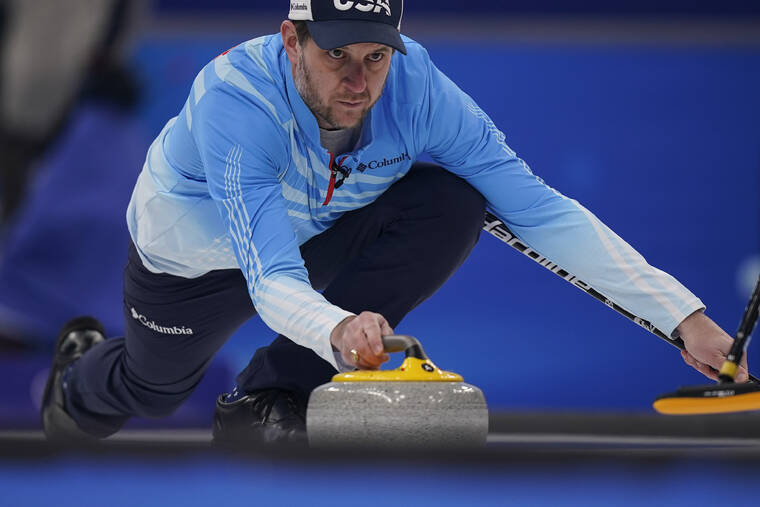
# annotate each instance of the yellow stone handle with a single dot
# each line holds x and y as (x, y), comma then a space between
(404, 343)
(415, 368)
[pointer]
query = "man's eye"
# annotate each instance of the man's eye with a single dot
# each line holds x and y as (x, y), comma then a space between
(336, 53)
(375, 57)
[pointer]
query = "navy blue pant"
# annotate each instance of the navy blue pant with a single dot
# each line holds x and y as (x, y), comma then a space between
(387, 257)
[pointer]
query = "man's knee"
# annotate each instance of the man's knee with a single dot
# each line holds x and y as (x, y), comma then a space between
(156, 400)
(466, 206)
(455, 202)
(160, 405)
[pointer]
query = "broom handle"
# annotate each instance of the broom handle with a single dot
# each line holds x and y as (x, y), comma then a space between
(497, 228)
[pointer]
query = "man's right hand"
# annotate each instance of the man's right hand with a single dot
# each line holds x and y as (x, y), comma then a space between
(362, 333)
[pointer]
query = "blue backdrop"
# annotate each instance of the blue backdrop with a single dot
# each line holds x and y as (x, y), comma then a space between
(502, 6)
(661, 143)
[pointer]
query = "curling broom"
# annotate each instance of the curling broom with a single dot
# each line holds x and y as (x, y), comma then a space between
(726, 396)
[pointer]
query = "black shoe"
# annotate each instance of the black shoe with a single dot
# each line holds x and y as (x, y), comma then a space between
(269, 416)
(76, 337)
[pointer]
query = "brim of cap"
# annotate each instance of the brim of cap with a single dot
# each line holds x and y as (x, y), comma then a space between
(339, 33)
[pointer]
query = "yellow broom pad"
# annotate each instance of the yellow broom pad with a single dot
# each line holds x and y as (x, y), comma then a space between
(689, 405)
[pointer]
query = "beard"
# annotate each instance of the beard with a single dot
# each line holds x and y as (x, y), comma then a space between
(326, 115)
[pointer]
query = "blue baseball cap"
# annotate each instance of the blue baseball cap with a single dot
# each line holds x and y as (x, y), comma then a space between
(337, 23)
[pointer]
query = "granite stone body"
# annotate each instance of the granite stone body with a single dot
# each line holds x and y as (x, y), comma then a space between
(397, 414)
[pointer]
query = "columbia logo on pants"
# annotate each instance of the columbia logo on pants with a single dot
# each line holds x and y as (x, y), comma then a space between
(142, 319)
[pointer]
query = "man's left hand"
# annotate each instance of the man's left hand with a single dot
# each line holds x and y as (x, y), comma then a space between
(707, 346)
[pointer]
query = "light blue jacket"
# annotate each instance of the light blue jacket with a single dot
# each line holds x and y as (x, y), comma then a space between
(239, 180)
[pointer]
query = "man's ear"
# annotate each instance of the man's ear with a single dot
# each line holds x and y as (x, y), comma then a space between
(290, 40)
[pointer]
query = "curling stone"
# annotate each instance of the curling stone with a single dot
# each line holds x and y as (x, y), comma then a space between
(415, 405)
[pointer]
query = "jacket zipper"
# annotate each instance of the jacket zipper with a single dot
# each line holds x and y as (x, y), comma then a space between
(333, 175)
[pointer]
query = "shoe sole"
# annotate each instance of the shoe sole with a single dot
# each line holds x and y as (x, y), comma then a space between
(56, 370)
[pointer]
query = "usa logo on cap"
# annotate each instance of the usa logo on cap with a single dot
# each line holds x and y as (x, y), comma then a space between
(338, 23)
(375, 6)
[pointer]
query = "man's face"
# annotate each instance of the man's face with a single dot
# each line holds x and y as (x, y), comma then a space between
(341, 85)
